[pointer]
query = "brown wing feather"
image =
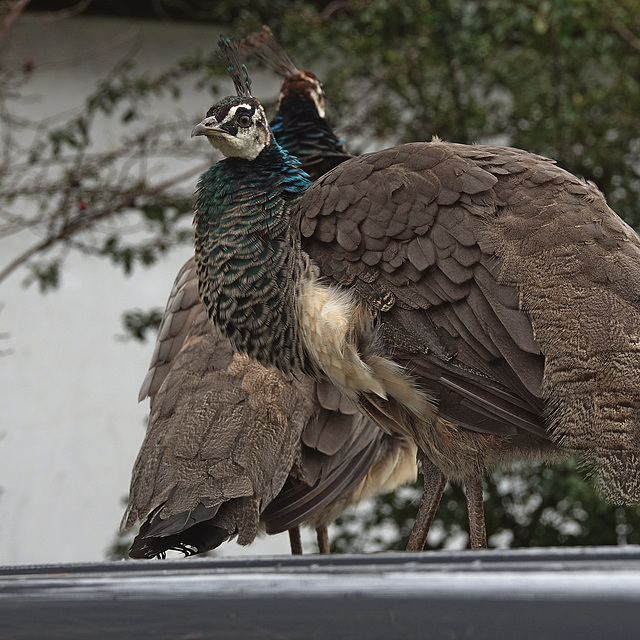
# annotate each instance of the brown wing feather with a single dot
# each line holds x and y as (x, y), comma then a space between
(422, 211)
(179, 316)
(225, 434)
(525, 277)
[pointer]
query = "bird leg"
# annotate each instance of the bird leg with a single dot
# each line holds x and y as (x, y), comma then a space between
(475, 507)
(322, 534)
(434, 484)
(295, 541)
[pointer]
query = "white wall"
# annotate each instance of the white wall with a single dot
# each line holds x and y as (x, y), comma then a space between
(69, 416)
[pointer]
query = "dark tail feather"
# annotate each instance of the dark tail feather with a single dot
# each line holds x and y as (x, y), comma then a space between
(190, 532)
(296, 505)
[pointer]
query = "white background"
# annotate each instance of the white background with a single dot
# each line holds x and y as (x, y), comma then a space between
(69, 418)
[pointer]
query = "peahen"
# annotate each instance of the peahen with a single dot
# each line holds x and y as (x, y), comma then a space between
(228, 438)
(302, 453)
(480, 300)
(299, 124)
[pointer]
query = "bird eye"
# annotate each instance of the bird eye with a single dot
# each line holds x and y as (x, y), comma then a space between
(243, 120)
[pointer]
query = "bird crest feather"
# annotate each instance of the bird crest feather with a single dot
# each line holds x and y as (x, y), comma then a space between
(264, 46)
(237, 70)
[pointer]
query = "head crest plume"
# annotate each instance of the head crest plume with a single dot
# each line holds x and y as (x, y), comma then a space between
(236, 69)
(264, 46)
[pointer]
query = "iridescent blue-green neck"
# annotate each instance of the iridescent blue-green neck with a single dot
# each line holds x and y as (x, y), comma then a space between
(305, 134)
(247, 255)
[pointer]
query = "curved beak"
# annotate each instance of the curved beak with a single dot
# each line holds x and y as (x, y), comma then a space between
(205, 128)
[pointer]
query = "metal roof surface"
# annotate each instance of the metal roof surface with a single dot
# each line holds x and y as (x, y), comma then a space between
(534, 593)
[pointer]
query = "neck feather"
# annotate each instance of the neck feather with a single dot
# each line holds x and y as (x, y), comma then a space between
(247, 256)
(265, 295)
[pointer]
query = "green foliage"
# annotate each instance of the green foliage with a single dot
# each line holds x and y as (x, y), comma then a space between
(526, 505)
(73, 196)
(119, 547)
(138, 323)
(45, 273)
(558, 78)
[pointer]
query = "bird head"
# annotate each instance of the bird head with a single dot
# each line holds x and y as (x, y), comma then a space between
(303, 86)
(237, 126)
(298, 85)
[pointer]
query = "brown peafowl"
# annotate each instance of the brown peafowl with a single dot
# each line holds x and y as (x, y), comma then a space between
(232, 447)
(299, 125)
(480, 300)
(228, 438)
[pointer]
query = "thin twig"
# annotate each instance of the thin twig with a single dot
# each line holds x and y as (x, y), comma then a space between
(83, 223)
(626, 34)
(21, 259)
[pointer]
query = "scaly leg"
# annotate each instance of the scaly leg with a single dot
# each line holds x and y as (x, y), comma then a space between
(295, 541)
(475, 507)
(322, 534)
(434, 484)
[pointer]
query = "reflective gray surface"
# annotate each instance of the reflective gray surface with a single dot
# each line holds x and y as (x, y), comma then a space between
(551, 593)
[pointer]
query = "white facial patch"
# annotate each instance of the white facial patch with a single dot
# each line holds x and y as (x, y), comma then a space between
(236, 141)
(317, 94)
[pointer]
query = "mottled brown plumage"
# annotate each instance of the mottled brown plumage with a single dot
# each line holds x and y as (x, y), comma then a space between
(249, 431)
(474, 304)
(504, 284)
(226, 437)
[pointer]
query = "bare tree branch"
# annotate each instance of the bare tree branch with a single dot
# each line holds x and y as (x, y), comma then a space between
(626, 34)
(127, 202)
(68, 227)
